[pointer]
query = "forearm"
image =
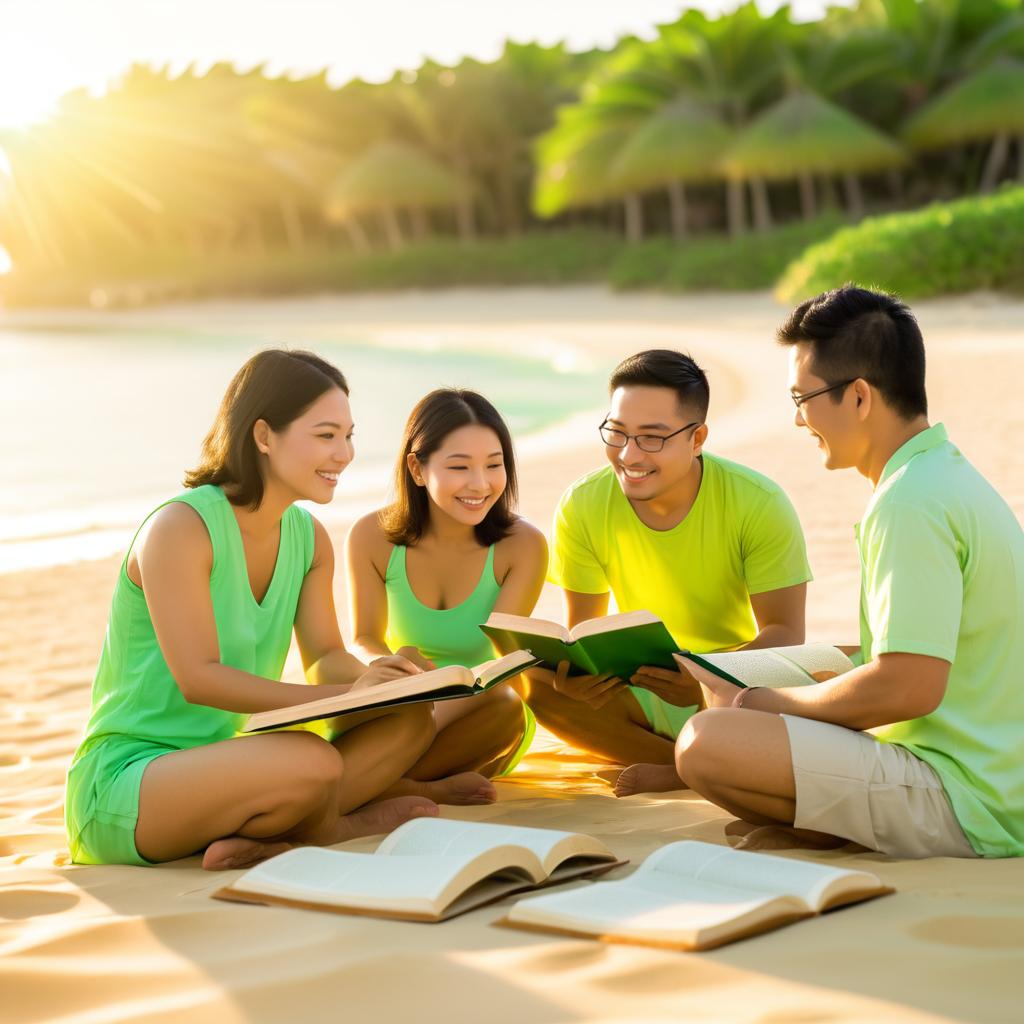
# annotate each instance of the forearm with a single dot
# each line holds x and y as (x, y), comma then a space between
(862, 698)
(338, 668)
(217, 685)
(776, 634)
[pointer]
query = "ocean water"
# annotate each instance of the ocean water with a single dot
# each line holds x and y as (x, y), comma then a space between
(99, 424)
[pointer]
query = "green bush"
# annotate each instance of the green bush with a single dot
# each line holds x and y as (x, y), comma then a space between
(947, 247)
(719, 264)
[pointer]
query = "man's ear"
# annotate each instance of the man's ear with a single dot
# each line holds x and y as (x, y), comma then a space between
(261, 435)
(415, 469)
(863, 393)
(700, 435)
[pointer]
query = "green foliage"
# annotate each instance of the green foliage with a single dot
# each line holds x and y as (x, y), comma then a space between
(947, 247)
(719, 264)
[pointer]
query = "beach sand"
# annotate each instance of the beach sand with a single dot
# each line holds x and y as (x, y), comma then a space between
(126, 943)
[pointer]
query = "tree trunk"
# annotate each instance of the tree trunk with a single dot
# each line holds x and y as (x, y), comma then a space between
(420, 223)
(831, 196)
(894, 179)
(292, 223)
(356, 234)
(465, 220)
(392, 228)
(994, 164)
(854, 195)
(677, 208)
(736, 208)
(634, 217)
(808, 202)
(762, 210)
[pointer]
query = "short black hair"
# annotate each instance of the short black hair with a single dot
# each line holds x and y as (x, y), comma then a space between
(665, 368)
(858, 333)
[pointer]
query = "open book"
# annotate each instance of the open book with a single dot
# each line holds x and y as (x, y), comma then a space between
(692, 895)
(428, 869)
(800, 665)
(619, 644)
(438, 684)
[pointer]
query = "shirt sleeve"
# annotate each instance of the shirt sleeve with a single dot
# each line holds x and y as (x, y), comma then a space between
(913, 583)
(774, 552)
(574, 564)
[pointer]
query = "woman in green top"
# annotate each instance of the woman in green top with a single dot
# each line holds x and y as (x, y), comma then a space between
(426, 571)
(200, 624)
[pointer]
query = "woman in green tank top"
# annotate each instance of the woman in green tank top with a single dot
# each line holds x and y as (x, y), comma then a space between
(202, 616)
(426, 571)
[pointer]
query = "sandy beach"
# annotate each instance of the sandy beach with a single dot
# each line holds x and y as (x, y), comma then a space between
(127, 944)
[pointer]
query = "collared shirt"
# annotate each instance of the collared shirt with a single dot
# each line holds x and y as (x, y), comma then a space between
(942, 575)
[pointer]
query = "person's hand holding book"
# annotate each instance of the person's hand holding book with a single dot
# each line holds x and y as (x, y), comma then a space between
(680, 688)
(383, 670)
(593, 690)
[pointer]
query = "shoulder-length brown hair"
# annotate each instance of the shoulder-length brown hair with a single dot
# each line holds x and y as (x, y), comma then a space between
(275, 385)
(433, 419)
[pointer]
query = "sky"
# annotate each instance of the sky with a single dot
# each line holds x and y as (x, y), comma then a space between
(48, 47)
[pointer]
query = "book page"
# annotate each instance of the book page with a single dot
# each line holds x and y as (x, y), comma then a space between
(540, 849)
(609, 623)
(778, 667)
(665, 909)
(525, 624)
(499, 667)
(756, 873)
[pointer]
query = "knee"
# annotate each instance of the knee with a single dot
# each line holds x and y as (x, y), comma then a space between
(415, 725)
(702, 745)
(317, 768)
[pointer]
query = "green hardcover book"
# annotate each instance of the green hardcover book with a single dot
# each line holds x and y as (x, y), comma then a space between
(800, 665)
(619, 644)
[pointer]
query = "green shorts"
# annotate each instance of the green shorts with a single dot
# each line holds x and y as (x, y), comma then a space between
(665, 719)
(102, 803)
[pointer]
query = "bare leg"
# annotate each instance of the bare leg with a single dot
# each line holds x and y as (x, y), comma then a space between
(475, 738)
(618, 732)
(246, 799)
(741, 760)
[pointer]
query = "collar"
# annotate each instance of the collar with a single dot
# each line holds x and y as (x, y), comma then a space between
(931, 437)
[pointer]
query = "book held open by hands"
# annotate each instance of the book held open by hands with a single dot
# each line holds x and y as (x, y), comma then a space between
(693, 896)
(619, 644)
(438, 684)
(428, 869)
(800, 665)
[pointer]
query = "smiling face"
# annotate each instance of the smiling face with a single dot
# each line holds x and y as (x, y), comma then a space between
(306, 458)
(465, 476)
(649, 476)
(838, 427)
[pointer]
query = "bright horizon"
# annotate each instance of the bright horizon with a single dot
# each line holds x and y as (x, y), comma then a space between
(51, 47)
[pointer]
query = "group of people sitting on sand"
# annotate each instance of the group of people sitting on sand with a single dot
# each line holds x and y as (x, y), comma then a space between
(915, 752)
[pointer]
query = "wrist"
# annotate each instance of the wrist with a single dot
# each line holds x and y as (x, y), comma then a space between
(742, 699)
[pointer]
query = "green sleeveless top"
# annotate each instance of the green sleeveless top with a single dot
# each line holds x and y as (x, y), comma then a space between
(136, 703)
(451, 636)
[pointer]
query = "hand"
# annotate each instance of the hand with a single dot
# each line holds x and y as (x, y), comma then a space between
(413, 654)
(718, 693)
(383, 670)
(593, 690)
(678, 688)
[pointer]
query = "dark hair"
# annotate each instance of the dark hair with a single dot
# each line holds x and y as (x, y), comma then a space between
(275, 385)
(856, 333)
(434, 418)
(665, 368)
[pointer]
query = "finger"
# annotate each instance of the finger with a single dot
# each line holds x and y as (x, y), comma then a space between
(600, 701)
(657, 673)
(604, 686)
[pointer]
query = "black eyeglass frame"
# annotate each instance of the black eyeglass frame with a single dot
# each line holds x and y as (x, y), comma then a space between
(636, 437)
(799, 400)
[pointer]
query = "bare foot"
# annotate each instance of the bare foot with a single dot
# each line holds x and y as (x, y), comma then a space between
(239, 852)
(648, 778)
(780, 837)
(466, 788)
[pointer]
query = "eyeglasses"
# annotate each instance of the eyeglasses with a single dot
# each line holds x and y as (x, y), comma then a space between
(645, 442)
(799, 400)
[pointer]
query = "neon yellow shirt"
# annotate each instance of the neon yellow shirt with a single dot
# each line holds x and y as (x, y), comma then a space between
(741, 537)
(942, 558)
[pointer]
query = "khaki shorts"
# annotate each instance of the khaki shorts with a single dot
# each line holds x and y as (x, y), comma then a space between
(878, 794)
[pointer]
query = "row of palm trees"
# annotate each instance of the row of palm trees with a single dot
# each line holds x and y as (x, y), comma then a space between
(735, 121)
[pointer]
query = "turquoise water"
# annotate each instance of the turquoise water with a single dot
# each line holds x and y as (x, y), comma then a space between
(99, 425)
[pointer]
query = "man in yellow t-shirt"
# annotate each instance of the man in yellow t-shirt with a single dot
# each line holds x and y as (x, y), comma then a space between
(712, 548)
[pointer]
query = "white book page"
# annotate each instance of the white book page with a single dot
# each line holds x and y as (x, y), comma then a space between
(671, 909)
(609, 623)
(781, 666)
(754, 872)
(341, 878)
(500, 666)
(524, 624)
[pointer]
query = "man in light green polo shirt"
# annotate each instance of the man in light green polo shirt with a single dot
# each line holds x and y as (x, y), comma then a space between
(712, 548)
(917, 751)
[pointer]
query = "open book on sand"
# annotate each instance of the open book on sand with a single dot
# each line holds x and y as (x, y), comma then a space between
(692, 896)
(428, 869)
(438, 684)
(619, 644)
(801, 665)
